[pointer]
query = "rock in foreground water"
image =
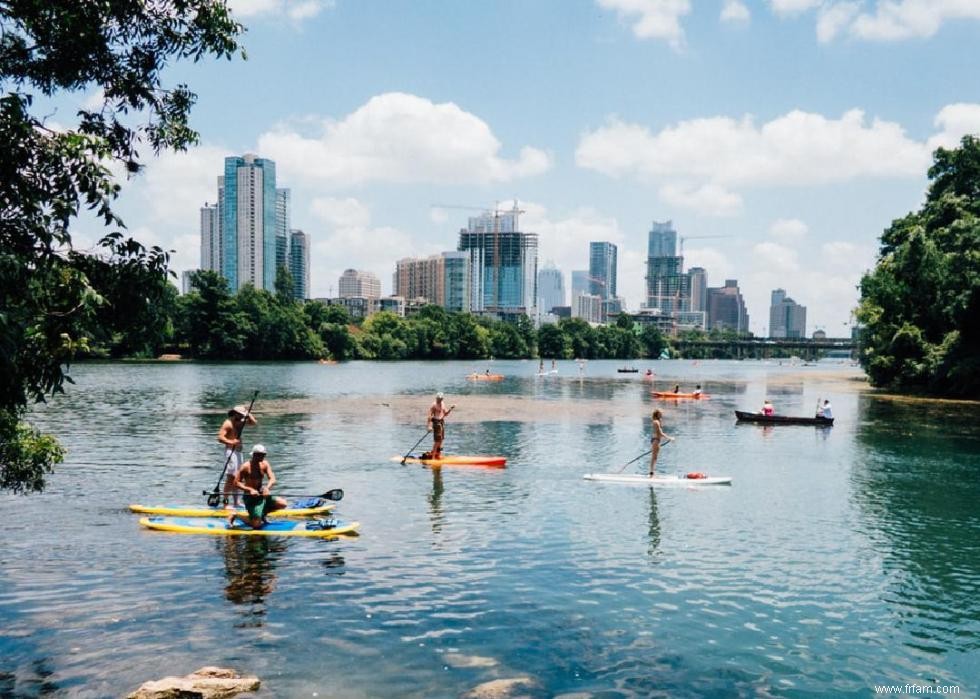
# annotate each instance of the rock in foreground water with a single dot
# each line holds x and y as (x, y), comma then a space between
(206, 683)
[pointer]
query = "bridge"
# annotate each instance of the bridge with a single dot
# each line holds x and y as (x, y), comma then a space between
(766, 348)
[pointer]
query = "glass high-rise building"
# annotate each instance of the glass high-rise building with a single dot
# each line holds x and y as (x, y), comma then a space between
(248, 221)
(283, 231)
(551, 288)
(787, 319)
(299, 263)
(602, 270)
(503, 264)
(668, 288)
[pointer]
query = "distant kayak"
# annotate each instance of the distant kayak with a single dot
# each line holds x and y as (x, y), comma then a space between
(307, 507)
(782, 419)
(665, 394)
(311, 528)
(666, 480)
(485, 377)
(460, 460)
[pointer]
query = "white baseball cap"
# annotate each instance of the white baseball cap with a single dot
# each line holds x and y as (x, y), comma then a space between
(438, 396)
(259, 449)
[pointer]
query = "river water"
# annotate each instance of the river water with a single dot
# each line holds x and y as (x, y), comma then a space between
(839, 559)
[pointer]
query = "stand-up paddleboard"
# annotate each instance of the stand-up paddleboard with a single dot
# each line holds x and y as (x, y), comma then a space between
(693, 396)
(461, 460)
(685, 480)
(318, 528)
(306, 507)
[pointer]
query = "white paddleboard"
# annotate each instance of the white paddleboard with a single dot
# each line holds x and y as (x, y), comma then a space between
(657, 480)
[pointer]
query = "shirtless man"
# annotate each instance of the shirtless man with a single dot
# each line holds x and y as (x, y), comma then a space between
(258, 501)
(436, 423)
(230, 435)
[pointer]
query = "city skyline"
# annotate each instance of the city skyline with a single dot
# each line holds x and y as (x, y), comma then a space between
(792, 133)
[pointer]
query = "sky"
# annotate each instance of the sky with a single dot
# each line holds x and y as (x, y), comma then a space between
(781, 137)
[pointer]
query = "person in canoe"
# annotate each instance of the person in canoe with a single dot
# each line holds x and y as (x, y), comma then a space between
(826, 411)
(230, 435)
(677, 388)
(767, 409)
(436, 424)
(649, 373)
(658, 436)
(697, 391)
(258, 500)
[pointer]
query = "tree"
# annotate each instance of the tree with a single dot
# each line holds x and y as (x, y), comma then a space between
(920, 304)
(552, 342)
(652, 341)
(52, 295)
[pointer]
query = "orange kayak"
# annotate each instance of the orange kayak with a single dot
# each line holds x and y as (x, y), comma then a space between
(695, 396)
(462, 460)
(485, 377)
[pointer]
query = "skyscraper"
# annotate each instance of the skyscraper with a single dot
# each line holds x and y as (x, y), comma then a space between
(248, 221)
(283, 258)
(299, 263)
(699, 289)
(726, 308)
(580, 283)
(503, 263)
(210, 238)
(667, 285)
(551, 288)
(602, 270)
(786, 317)
(442, 280)
(355, 283)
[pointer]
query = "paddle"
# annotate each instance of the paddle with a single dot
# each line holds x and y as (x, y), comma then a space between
(427, 430)
(336, 495)
(663, 444)
(214, 497)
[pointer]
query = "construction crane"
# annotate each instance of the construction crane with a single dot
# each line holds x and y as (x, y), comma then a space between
(696, 237)
(496, 212)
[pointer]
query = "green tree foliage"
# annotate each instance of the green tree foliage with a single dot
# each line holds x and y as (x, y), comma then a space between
(920, 304)
(553, 343)
(55, 299)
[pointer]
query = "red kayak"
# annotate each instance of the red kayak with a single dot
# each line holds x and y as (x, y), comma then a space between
(693, 396)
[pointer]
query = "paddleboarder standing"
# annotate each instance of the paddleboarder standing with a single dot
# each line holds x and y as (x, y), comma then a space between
(230, 436)
(658, 436)
(436, 423)
(258, 501)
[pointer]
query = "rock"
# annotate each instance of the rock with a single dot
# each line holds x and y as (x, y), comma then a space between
(206, 683)
(459, 660)
(512, 688)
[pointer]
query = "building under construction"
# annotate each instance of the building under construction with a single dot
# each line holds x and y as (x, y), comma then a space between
(503, 264)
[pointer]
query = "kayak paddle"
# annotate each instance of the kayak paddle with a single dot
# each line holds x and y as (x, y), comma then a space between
(214, 497)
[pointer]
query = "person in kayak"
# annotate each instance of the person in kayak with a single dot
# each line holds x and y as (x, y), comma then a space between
(230, 435)
(436, 423)
(658, 436)
(677, 388)
(767, 408)
(697, 391)
(826, 411)
(258, 501)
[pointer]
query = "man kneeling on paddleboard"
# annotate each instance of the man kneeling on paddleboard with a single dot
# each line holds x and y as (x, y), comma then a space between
(258, 501)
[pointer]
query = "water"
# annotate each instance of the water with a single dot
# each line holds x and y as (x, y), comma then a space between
(839, 559)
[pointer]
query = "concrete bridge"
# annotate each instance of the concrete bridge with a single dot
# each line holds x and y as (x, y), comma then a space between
(766, 348)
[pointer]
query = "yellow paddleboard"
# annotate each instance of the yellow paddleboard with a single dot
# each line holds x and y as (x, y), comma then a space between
(310, 528)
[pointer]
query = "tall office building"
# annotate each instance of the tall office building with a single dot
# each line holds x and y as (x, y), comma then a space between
(602, 270)
(503, 264)
(698, 299)
(726, 308)
(283, 258)
(210, 238)
(248, 222)
(580, 283)
(786, 317)
(355, 283)
(551, 288)
(299, 263)
(442, 280)
(668, 288)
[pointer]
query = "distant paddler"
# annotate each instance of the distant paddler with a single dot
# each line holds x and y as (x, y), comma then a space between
(258, 500)
(230, 435)
(436, 423)
(826, 411)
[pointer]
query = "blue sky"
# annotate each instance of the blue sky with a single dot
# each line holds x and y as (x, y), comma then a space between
(793, 131)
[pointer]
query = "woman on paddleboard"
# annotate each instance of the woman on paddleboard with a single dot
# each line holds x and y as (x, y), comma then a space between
(658, 436)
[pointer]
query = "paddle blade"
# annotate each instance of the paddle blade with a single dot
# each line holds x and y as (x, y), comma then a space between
(214, 499)
(335, 495)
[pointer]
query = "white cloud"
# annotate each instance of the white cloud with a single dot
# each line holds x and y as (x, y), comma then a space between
(834, 18)
(296, 10)
(397, 137)
(344, 213)
(174, 186)
(652, 19)
(735, 12)
(776, 258)
(714, 156)
(709, 199)
(788, 229)
(887, 20)
(792, 7)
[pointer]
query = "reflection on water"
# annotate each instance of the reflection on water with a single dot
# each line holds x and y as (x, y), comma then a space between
(838, 559)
